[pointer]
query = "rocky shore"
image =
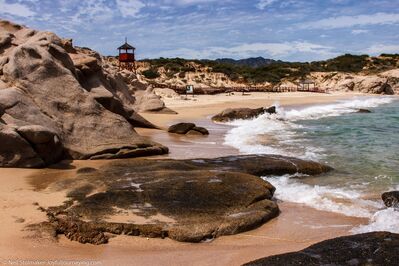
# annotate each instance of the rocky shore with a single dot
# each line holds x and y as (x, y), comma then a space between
(379, 248)
(60, 102)
(185, 200)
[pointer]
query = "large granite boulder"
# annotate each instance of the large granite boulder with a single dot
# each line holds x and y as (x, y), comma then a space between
(45, 142)
(185, 200)
(391, 199)
(378, 248)
(149, 102)
(15, 151)
(242, 113)
(46, 87)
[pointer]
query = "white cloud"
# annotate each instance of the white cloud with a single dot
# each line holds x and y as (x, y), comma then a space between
(129, 8)
(378, 49)
(274, 50)
(357, 32)
(265, 3)
(15, 9)
(351, 21)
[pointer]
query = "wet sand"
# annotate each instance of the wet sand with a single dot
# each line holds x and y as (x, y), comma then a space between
(296, 228)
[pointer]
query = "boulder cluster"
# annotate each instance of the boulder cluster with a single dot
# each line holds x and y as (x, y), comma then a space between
(58, 101)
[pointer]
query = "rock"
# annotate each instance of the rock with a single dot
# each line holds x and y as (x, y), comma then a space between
(114, 104)
(382, 83)
(47, 88)
(185, 200)
(201, 130)
(45, 142)
(37, 134)
(364, 111)
(242, 113)
(148, 101)
(391, 199)
(15, 151)
(187, 129)
(181, 128)
(166, 93)
(377, 248)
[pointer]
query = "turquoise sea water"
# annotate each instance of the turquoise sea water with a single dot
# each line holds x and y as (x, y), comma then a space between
(362, 147)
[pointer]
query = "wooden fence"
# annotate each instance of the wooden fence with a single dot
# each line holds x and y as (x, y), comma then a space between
(218, 90)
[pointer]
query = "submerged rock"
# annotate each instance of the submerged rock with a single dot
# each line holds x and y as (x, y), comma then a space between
(185, 200)
(364, 111)
(242, 113)
(391, 199)
(378, 248)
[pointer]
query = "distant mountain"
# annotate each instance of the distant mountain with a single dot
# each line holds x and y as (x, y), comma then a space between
(250, 62)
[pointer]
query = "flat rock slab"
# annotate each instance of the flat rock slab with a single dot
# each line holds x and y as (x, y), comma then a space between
(185, 200)
(378, 248)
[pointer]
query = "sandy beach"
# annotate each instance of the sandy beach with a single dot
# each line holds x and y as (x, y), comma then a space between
(296, 228)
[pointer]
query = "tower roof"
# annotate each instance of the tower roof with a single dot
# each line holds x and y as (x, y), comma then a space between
(126, 46)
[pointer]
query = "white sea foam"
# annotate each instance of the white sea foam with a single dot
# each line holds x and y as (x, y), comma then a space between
(280, 134)
(281, 128)
(345, 201)
(383, 220)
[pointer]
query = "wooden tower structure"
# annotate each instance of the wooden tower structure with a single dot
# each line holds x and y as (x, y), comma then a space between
(126, 57)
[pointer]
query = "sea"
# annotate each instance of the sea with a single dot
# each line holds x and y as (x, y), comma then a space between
(363, 148)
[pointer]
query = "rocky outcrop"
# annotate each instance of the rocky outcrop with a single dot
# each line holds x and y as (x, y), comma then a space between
(187, 129)
(380, 83)
(242, 113)
(185, 200)
(391, 199)
(148, 101)
(69, 96)
(378, 248)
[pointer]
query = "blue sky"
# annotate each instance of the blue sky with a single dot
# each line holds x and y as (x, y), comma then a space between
(293, 30)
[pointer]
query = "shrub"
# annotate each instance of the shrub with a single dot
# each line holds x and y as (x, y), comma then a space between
(151, 73)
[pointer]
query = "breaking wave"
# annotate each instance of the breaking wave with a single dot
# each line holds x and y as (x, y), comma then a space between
(278, 133)
(289, 133)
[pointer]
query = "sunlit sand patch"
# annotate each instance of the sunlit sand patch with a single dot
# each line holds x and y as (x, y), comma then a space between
(133, 217)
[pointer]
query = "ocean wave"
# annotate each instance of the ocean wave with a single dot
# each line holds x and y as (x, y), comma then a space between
(383, 220)
(284, 133)
(346, 201)
(335, 109)
(279, 133)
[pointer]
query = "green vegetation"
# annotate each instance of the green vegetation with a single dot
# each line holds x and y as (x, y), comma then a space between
(151, 73)
(277, 70)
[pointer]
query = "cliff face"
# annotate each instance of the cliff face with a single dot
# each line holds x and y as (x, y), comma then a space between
(377, 75)
(383, 83)
(59, 102)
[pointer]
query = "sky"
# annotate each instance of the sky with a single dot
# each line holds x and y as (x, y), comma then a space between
(289, 30)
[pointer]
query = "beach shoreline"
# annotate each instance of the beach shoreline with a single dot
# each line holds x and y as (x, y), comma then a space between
(297, 226)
